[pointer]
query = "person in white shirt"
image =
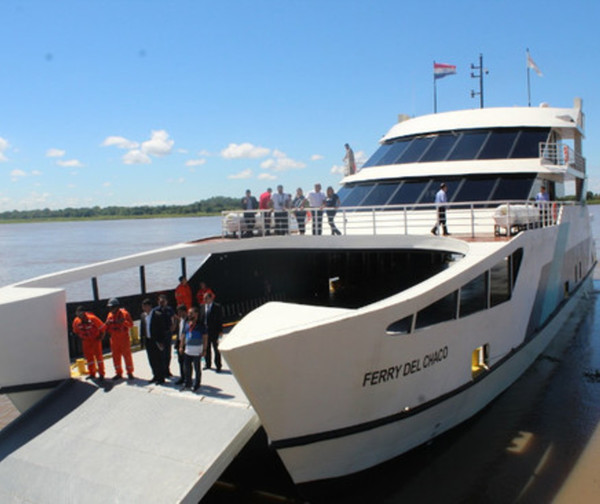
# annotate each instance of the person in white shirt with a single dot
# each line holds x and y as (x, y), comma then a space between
(316, 198)
(281, 204)
(441, 200)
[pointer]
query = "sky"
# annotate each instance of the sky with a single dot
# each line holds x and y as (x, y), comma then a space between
(148, 102)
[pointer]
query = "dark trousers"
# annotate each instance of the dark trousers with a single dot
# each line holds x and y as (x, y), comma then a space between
(166, 357)
(301, 219)
(213, 344)
(188, 361)
(281, 223)
(181, 359)
(155, 358)
(249, 220)
(317, 225)
(330, 218)
(441, 221)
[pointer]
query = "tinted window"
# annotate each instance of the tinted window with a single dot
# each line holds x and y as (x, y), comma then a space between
(395, 151)
(527, 145)
(500, 282)
(468, 146)
(475, 190)
(432, 190)
(440, 148)
(440, 311)
(499, 144)
(354, 197)
(473, 296)
(380, 194)
(400, 326)
(415, 150)
(377, 155)
(513, 189)
(408, 193)
(343, 192)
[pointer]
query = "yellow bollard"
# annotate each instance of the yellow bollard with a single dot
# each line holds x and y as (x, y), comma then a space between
(81, 367)
(134, 335)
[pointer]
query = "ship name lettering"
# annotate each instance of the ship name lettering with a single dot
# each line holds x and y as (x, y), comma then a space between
(371, 378)
(433, 357)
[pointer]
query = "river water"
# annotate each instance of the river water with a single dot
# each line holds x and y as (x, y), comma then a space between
(522, 448)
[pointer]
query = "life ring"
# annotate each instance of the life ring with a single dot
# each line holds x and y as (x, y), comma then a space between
(566, 154)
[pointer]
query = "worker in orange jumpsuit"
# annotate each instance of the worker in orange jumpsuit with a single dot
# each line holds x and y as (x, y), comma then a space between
(202, 292)
(183, 293)
(91, 330)
(118, 322)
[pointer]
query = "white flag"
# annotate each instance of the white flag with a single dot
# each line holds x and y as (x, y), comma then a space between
(531, 64)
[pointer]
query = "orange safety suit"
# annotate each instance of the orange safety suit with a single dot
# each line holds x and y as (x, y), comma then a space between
(90, 331)
(118, 325)
(183, 295)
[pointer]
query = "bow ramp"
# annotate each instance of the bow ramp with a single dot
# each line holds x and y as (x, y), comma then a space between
(125, 442)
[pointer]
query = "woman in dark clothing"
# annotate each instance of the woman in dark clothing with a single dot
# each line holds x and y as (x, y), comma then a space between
(332, 202)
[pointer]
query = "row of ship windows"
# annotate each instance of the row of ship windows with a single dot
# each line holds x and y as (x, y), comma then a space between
(501, 143)
(489, 289)
(490, 188)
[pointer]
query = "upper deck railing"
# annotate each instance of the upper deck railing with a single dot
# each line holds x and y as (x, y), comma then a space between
(466, 219)
(562, 156)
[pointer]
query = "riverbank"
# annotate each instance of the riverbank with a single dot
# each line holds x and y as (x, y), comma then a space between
(109, 218)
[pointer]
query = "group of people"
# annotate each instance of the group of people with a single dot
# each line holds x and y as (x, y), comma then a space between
(281, 204)
(193, 328)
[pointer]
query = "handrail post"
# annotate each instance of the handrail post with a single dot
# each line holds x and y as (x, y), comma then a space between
(374, 214)
(405, 221)
(472, 221)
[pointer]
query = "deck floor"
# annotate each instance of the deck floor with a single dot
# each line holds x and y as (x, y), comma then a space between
(125, 441)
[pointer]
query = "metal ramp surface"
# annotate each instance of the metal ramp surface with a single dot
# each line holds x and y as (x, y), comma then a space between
(125, 441)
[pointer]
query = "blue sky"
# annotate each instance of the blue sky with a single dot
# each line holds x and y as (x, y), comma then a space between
(125, 102)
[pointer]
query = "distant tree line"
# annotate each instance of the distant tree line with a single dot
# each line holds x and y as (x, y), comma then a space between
(212, 205)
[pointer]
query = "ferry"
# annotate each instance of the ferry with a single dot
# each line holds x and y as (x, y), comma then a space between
(390, 336)
(355, 348)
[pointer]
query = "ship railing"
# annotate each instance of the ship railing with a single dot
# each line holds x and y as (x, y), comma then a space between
(471, 219)
(561, 156)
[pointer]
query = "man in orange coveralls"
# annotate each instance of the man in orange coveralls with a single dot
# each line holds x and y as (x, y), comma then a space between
(118, 322)
(90, 329)
(183, 293)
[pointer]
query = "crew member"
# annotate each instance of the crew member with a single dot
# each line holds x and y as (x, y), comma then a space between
(118, 322)
(91, 330)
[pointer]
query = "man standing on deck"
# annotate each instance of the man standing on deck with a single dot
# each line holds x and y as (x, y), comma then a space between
(281, 204)
(91, 330)
(349, 160)
(265, 204)
(249, 203)
(183, 293)
(316, 198)
(212, 316)
(158, 332)
(441, 202)
(118, 322)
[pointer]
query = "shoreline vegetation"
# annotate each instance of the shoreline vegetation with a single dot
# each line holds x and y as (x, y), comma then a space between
(204, 208)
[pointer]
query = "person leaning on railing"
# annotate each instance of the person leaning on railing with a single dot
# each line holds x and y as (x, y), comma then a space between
(543, 202)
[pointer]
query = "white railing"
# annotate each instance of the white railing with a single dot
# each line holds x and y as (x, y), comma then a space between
(561, 155)
(471, 219)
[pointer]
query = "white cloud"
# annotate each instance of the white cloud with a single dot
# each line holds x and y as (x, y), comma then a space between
(15, 175)
(241, 175)
(120, 142)
(316, 157)
(195, 162)
(106, 184)
(340, 169)
(36, 172)
(55, 153)
(244, 151)
(280, 162)
(71, 163)
(159, 144)
(136, 156)
(267, 176)
(3, 147)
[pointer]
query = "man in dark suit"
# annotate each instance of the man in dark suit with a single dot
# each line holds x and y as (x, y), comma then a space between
(249, 203)
(157, 330)
(213, 319)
